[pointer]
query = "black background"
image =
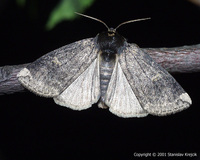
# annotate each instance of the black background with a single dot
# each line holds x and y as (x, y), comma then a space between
(32, 127)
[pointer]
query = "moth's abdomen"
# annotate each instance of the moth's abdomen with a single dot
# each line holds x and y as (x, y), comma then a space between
(105, 75)
(106, 69)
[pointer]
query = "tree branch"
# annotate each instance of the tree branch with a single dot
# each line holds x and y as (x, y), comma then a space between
(8, 79)
(185, 59)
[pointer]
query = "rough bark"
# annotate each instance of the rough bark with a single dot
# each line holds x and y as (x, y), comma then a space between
(185, 59)
(8, 79)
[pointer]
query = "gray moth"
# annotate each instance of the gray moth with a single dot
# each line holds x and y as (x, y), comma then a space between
(106, 69)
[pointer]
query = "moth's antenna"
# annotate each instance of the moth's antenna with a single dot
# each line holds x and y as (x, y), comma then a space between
(132, 21)
(92, 18)
(111, 29)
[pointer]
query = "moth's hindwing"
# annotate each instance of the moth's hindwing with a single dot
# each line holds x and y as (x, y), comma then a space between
(84, 91)
(120, 97)
(52, 73)
(156, 90)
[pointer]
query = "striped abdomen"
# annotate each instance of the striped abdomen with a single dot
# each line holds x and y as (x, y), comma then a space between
(107, 64)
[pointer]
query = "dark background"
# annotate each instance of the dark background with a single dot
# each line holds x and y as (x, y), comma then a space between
(32, 127)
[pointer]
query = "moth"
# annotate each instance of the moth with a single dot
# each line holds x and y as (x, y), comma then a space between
(105, 69)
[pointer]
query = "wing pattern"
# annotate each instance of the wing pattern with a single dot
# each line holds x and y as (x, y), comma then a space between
(120, 97)
(49, 75)
(156, 90)
(84, 91)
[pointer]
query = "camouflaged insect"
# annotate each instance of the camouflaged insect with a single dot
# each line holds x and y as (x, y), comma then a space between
(108, 70)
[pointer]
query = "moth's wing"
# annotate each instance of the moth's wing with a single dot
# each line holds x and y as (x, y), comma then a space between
(120, 98)
(156, 90)
(49, 75)
(84, 91)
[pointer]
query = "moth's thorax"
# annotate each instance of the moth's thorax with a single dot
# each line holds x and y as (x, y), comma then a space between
(110, 42)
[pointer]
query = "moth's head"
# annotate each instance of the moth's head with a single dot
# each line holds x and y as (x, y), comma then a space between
(111, 31)
(110, 41)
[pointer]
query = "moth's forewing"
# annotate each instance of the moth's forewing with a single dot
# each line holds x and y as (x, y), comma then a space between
(156, 90)
(51, 74)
